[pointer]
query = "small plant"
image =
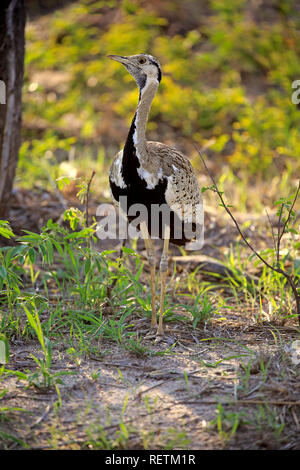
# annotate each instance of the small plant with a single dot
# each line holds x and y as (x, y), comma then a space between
(97, 439)
(175, 439)
(267, 419)
(135, 346)
(227, 422)
(43, 378)
(202, 309)
(10, 280)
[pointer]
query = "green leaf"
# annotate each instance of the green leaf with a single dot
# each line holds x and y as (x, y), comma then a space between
(3, 272)
(108, 252)
(33, 235)
(35, 323)
(87, 266)
(43, 251)
(58, 247)
(62, 181)
(32, 255)
(5, 229)
(49, 251)
(71, 256)
(128, 251)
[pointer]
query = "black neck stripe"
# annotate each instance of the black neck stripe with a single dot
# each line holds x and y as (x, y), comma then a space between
(158, 69)
(141, 81)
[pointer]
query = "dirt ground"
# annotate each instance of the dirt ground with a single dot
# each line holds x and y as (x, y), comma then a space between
(164, 401)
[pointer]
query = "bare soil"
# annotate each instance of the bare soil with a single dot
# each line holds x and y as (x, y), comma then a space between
(167, 398)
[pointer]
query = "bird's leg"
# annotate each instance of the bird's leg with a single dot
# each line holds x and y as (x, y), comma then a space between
(152, 262)
(163, 267)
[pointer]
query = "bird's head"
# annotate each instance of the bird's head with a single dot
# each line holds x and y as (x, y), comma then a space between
(143, 67)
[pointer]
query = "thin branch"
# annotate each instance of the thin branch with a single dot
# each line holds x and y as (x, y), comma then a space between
(230, 214)
(277, 269)
(278, 235)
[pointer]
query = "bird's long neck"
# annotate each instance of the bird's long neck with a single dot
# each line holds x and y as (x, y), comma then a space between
(136, 144)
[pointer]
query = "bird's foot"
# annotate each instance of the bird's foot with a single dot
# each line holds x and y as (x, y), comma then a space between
(158, 334)
(152, 332)
(165, 338)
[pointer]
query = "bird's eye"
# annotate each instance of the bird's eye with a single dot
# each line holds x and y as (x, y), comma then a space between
(141, 60)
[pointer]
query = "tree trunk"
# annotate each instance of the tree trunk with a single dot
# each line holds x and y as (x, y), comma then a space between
(12, 46)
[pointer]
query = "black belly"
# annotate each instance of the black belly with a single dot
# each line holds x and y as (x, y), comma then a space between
(138, 193)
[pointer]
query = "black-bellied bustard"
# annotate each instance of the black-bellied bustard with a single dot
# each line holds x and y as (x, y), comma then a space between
(156, 180)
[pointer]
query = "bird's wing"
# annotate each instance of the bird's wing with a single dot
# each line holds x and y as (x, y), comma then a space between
(183, 193)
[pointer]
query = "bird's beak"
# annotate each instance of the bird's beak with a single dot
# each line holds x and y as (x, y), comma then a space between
(123, 60)
(119, 58)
